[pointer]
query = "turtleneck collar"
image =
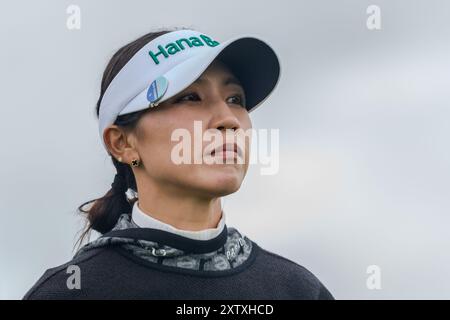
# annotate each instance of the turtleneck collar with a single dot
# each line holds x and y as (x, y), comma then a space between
(165, 249)
(144, 220)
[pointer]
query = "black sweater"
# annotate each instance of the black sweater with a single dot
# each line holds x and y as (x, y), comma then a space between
(143, 263)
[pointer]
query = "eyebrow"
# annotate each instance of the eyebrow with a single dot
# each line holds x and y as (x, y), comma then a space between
(225, 82)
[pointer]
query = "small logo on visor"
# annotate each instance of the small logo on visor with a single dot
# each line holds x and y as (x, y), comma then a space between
(156, 90)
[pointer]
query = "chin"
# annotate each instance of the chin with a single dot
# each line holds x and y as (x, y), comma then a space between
(223, 183)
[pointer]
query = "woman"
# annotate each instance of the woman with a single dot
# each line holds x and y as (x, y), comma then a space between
(163, 228)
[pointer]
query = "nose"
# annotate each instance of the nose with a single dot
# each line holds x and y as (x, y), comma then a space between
(224, 117)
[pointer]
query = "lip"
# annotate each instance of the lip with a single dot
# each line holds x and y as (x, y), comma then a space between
(227, 147)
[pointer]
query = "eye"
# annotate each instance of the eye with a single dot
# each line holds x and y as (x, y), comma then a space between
(191, 96)
(238, 99)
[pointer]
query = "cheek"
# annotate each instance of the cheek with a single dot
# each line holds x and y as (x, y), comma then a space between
(156, 145)
(246, 126)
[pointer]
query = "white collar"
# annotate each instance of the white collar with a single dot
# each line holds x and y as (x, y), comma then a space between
(144, 220)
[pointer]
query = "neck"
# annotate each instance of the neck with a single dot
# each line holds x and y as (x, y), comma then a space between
(184, 212)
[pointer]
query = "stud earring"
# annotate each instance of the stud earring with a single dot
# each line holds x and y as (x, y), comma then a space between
(135, 162)
(120, 159)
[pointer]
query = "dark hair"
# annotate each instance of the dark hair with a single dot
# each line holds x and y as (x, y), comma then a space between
(105, 211)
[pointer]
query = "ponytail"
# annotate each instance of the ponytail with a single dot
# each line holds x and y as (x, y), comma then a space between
(105, 211)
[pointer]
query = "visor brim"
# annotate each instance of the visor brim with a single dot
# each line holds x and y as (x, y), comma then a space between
(250, 59)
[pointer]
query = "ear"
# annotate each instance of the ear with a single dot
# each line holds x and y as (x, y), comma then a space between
(120, 143)
(115, 140)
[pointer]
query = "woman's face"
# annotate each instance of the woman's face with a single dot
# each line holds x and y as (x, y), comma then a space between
(217, 103)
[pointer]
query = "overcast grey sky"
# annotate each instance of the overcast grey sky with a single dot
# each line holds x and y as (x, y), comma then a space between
(364, 128)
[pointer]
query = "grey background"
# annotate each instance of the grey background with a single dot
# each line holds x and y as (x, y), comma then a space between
(363, 118)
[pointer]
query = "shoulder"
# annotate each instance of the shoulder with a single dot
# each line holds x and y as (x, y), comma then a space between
(293, 274)
(55, 283)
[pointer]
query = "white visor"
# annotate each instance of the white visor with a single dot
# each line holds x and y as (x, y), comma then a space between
(171, 62)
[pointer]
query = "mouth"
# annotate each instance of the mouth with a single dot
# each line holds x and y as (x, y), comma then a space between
(227, 150)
